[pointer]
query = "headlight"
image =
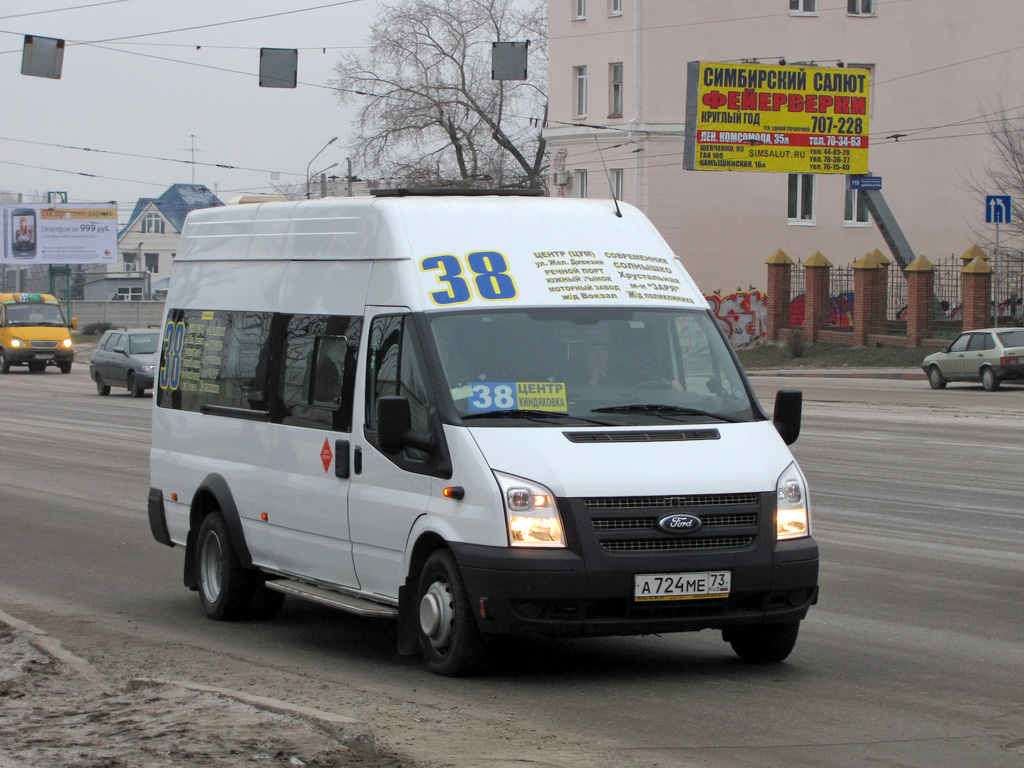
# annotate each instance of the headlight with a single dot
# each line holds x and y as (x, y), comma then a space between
(16, 342)
(530, 513)
(67, 343)
(792, 510)
(148, 368)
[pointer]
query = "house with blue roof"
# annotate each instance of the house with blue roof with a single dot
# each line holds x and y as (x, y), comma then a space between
(147, 245)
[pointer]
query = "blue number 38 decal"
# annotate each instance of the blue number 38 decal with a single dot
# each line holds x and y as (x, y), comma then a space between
(489, 276)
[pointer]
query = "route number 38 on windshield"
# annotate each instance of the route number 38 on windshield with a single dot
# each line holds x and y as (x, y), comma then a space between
(485, 271)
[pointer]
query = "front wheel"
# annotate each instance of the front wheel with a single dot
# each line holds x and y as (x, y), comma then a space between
(225, 587)
(102, 388)
(5, 364)
(65, 367)
(762, 643)
(449, 639)
(989, 380)
(935, 378)
(133, 386)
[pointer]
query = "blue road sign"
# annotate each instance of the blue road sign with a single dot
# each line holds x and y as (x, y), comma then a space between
(865, 182)
(997, 209)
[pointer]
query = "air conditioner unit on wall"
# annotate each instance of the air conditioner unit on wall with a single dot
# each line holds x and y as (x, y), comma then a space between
(562, 178)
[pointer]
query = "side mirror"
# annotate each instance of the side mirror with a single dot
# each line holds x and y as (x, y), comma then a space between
(394, 427)
(788, 409)
(74, 323)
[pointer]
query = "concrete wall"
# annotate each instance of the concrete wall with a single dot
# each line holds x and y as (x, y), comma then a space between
(128, 314)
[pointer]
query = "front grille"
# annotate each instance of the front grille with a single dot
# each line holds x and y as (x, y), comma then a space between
(619, 525)
(647, 523)
(634, 502)
(44, 344)
(675, 544)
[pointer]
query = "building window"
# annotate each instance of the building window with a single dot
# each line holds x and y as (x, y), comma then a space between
(803, 7)
(580, 73)
(153, 262)
(614, 7)
(615, 97)
(856, 209)
(860, 7)
(579, 182)
(580, 9)
(801, 198)
(153, 224)
(128, 293)
(618, 179)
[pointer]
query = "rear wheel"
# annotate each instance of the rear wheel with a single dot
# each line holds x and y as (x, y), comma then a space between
(762, 643)
(37, 367)
(989, 380)
(5, 364)
(226, 589)
(102, 388)
(133, 386)
(449, 639)
(935, 378)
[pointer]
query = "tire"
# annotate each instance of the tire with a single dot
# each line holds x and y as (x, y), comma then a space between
(226, 589)
(133, 386)
(762, 643)
(989, 380)
(935, 378)
(449, 639)
(64, 367)
(36, 367)
(5, 364)
(102, 388)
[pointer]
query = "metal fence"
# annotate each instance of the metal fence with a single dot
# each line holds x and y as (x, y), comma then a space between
(948, 291)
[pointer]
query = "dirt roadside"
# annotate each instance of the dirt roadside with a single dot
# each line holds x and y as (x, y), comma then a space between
(56, 709)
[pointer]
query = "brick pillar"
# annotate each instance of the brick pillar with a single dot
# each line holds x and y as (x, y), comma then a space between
(920, 300)
(818, 270)
(865, 300)
(780, 293)
(977, 290)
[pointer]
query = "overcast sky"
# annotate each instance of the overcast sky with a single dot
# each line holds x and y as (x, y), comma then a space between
(143, 96)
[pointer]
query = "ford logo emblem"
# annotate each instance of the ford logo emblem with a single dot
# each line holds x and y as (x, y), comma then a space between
(679, 523)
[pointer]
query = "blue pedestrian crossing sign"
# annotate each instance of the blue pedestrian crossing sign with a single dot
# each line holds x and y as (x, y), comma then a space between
(997, 209)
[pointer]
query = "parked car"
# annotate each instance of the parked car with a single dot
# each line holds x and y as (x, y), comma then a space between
(125, 358)
(991, 355)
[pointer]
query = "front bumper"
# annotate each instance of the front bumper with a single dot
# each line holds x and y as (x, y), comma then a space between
(587, 589)
(25, 355)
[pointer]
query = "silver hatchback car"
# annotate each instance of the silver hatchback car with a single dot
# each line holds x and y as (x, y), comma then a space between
(988, 355)
(125, 358)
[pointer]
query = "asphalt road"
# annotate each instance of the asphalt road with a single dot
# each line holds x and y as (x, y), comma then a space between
(913, 657)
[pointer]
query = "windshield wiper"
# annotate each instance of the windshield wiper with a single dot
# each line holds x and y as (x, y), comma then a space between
(659, 409)
(526, 413)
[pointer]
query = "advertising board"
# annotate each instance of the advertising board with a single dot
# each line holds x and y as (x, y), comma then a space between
(61, 233)
(776, 119)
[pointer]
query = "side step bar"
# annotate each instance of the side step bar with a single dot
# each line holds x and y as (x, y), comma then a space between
(348, 603)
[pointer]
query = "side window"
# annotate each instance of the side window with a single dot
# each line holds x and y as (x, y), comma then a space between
(960, 345)
(395, 367)
(980, 342)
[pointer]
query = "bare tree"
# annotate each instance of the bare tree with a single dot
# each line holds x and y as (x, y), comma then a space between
(429, 112)
(1004, 175)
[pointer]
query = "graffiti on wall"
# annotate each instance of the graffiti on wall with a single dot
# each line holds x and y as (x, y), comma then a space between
(743, 315)
(840, 310)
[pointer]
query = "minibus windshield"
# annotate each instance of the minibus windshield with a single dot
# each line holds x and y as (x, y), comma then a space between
(608, 366)
(34, 313)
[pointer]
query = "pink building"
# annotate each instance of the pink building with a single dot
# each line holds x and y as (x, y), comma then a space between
(939, 69)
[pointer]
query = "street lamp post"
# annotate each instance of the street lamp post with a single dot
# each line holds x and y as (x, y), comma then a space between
(310, 164)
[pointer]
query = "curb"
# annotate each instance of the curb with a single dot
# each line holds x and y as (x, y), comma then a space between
(840, 374)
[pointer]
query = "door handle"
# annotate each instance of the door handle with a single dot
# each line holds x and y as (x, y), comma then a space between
(341, 465)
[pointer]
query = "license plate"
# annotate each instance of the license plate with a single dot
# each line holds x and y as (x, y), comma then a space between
(43, 356)
(681, 586)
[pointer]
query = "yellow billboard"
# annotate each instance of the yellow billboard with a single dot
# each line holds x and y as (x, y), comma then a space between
(776, 119)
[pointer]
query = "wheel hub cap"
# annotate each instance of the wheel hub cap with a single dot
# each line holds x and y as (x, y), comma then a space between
(437, 615)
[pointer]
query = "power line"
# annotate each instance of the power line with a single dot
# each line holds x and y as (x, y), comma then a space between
(60, 10)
